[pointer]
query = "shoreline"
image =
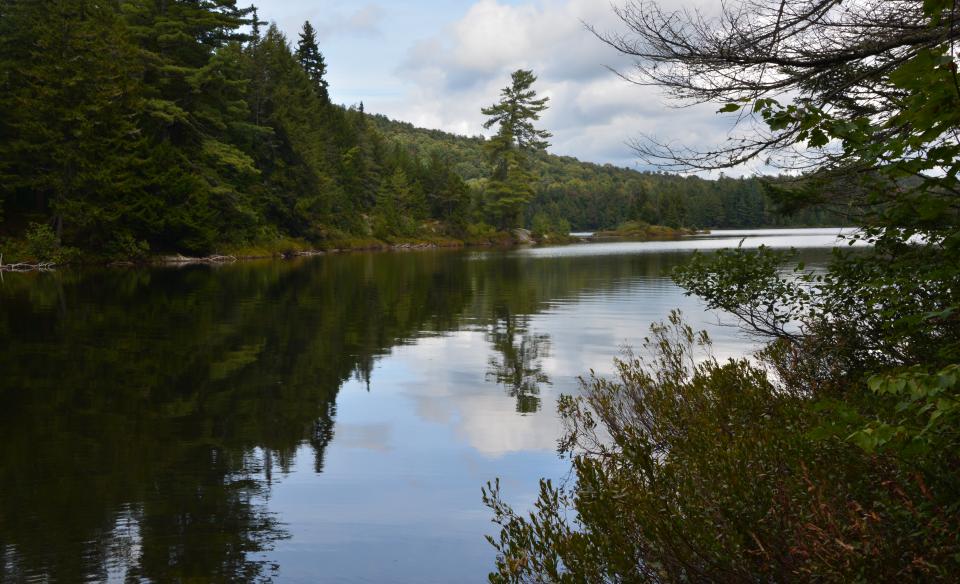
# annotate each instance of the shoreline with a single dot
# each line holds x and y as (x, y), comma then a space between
(522, 239)
(368, 246)
(515, 241)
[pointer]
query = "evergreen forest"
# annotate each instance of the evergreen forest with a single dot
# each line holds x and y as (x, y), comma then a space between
(139, 127)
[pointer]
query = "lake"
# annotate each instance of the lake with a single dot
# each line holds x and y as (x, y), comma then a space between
(329, 419)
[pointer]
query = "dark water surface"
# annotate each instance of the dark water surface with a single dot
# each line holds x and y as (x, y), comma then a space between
(325, 420)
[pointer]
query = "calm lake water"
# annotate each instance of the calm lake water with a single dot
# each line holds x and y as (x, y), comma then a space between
(324, 420)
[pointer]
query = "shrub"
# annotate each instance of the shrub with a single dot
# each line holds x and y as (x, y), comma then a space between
(125, 246)
(692, 470)
(41, 244)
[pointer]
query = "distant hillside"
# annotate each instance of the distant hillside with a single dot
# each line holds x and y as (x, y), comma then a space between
(592, 196)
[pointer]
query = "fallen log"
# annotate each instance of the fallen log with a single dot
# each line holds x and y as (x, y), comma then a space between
(215, 259)
(24, 267)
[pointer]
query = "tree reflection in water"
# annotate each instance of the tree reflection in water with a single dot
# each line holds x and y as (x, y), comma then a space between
(518, 364)
(145, 414)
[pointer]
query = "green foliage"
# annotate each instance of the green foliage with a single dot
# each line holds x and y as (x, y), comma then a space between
(397, 209)
(41, 243)
(70, 77)
(125, 247)
(166, 125)
(312, 61)
(925, 408)
(136, 123)
(543, 224)
(835, 457)
(643, 231)
(509, 193)
(517, 110)
(511, 189)
(688, 469)
(595, 197)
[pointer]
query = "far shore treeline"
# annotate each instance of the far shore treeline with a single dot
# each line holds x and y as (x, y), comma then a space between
(136, 127)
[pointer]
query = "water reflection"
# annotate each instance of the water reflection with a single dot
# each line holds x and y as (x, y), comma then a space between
(518, 364)
(325, 419)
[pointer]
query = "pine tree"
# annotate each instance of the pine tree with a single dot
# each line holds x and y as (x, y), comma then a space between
(255, 24)
(312, 61)
(510, 189)
(194, 114)
(446, 192)
(392, 215)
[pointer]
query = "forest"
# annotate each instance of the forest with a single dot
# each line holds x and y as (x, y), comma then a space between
(591, 196)
(134, 128)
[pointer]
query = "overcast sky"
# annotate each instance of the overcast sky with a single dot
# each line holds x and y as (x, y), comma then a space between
(435, 63)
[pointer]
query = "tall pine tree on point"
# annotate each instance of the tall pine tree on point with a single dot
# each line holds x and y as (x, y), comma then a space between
(511, 184)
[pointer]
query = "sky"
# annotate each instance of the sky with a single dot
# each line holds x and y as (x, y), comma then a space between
(435, 63)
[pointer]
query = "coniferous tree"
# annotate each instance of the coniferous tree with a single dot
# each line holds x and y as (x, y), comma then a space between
(446, 192)
(70, 152)
(312, 61)
(255, 24)
(297, 152)
(511, 186)
(193, 114)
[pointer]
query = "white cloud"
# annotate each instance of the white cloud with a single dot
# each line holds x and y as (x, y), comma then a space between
(375, 437)
(593, 112)
(480, 412)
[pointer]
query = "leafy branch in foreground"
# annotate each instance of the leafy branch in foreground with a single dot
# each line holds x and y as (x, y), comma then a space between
(836, 456)
(861, 99)
(689, 469)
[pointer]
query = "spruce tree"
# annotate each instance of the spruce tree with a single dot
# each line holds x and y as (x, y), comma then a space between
(312, 61)
(294, 148)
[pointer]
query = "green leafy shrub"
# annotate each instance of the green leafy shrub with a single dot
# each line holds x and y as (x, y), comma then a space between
(125, 246)
(691, 470)
(477, 230)
(41, 244)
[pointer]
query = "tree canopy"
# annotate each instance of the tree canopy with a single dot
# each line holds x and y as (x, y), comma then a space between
(517, 111)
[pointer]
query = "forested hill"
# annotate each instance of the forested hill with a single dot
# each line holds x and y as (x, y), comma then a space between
(592, 196)
(137, 127)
